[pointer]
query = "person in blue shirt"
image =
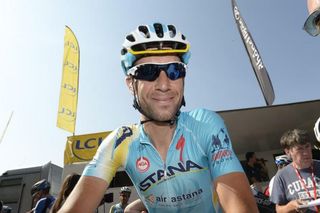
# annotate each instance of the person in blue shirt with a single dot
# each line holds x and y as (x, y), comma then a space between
(40, 192)
(178, 161)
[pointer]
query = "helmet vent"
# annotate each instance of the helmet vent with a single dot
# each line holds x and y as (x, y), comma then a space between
(183, 37)
(159, 30)
(172, 31)
(130, 38)
(145, 31)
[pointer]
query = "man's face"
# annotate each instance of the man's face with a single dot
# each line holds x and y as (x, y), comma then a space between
(301, 155)
(159, 99)
(36, 197)
(124, 197)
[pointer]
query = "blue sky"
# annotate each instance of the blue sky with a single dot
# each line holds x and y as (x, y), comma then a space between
(220, 76)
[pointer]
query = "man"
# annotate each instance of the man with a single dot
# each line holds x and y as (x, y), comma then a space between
(172, 157)
(298, 182)
(312, 24)
(255, 170)
(40, 192)
(125, 193)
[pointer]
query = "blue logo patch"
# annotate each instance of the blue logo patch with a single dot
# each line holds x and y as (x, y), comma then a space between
(126, 132)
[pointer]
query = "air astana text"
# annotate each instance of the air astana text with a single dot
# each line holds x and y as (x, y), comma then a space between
(171, 170)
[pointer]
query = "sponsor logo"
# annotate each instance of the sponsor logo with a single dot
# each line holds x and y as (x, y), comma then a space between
(71, 45)
(123, 134)
(220, 140)
(159, 175)
(142, 164)
(86, 149)
(71, 66)
(195, 195)
(220, 147)
(151, 198)
(222, 155)
(69, 115)
(180, 146)
(71, 90)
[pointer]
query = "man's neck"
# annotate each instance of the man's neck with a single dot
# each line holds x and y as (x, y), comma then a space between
(303, 166)
(161, 136)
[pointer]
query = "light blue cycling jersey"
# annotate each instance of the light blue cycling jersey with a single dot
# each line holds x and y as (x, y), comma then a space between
(200, 151)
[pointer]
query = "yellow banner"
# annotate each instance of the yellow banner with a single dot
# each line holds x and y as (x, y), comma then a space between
(67, 112)
(82, 148)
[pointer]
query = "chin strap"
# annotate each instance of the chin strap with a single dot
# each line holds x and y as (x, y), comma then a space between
(170, 122)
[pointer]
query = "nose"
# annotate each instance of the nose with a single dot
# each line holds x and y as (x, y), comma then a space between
(162, 82)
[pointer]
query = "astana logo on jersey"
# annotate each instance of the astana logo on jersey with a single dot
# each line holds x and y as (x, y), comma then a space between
(159, 175)
(220, 147)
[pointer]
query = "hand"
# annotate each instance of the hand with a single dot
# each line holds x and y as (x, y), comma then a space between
(298, 203)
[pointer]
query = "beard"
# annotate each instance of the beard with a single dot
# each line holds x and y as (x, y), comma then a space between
(160, 113)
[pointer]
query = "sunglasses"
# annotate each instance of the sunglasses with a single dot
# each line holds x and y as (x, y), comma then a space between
(151, 71)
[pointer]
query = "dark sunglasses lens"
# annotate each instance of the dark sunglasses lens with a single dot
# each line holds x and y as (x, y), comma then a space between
(175, 71)
(147, 72)
(150, 72)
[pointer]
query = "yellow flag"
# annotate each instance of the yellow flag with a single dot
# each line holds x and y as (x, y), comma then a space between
(67, 112)
(82, 148)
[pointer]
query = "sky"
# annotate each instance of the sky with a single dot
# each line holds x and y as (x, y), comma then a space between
(220, 76)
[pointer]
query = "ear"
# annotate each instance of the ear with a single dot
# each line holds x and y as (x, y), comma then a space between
(287, 151)
(129, 82)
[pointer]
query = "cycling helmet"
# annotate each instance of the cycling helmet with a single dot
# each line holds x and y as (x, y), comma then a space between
(317, 129)
(125, 189)
(39, 186)
(152, 40)
(282, 160)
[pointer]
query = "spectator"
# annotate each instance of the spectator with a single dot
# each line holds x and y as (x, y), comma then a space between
(312, 24)
(125, 193)
(68, 184)
(281, 161)
(298, 182)
(40, 193)
(255, 170)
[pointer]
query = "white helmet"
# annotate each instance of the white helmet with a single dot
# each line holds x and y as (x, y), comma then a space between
(152, 40)
(317, 129)
(125, 189)
(282, 159)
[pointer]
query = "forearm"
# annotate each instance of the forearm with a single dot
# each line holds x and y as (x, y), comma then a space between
(237, 193)
(288, 208)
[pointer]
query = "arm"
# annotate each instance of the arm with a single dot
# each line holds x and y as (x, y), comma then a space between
(292, 206)
(235, 196)
(111, 209)
(135, 207)
(86, 196)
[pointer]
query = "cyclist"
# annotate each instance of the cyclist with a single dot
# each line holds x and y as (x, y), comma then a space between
(177, 160)
(41, 196)
(125, 193)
